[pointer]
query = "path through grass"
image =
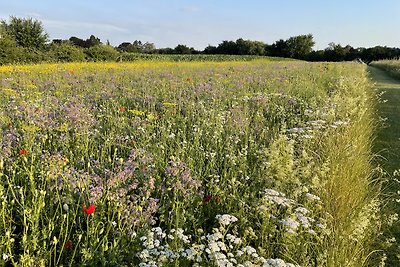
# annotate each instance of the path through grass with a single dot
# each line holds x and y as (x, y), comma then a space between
(387, 144)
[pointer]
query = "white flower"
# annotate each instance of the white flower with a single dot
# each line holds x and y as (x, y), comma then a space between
(272, 192)
(292, 224)
(214, 246)
(305, 221)
(277, 263)
(312, 197)
(302, 210)
(114, 223)
(5, 257)
(250, 250)
(226, 219)
(277, 197)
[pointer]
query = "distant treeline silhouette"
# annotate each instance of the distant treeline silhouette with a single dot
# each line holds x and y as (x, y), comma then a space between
(24, 40)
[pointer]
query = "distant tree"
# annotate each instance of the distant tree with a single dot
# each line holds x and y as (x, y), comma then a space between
(125, 46)
(137, 47)
(335, 52)
(57, 41)
(277, 49)
(148, 47)
(26, 32)
(228, 48)
(182, 49)
(248, 47)
(318, 55)
(166, 50)
(379, 52)
(92, 41)
(299, 46)
(210, 50)
(77, 41)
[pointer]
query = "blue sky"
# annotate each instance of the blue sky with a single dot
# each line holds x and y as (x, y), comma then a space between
(197, 23)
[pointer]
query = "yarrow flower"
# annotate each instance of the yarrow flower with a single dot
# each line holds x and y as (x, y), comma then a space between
(89, 210)
(312, 197)
(226, 219)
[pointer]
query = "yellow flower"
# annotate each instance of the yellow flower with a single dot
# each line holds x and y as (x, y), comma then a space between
(168, 104)
(151, 117)
(63, 127)
(10, 92)
(30, 128)
(136, 112)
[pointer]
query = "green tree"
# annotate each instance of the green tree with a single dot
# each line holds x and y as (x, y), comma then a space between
(93, 41)
(299, 46)
(277, 49)
(148, 47)
(248, 47)
(227, 48)
(10, 51)
(182, 49)
(27, 32)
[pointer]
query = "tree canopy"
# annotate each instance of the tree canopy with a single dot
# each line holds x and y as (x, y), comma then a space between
(25, 40)
(28, 33)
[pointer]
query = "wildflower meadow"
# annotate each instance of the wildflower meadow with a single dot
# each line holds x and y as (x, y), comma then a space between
(235, 163)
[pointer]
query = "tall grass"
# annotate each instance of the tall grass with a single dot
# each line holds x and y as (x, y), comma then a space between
(185, 164)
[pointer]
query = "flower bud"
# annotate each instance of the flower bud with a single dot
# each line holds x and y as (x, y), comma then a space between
(65, 207)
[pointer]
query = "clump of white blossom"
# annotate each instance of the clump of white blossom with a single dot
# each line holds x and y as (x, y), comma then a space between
(290, 214)
(219, 248)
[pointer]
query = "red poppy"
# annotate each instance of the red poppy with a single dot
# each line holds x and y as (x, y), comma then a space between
(189, 79)
(207, 199)
(23, 152)
(121, 109)
(68, 245)
(89, 210)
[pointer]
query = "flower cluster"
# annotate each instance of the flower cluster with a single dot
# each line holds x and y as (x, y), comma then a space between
(217, 248)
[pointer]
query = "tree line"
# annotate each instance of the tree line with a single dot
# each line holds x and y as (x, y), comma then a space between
(25, 40)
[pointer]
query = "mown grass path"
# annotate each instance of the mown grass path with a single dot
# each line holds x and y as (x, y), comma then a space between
(387, 144)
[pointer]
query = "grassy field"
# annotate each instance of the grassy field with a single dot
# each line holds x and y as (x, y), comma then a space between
(239, 163)
(387, 144)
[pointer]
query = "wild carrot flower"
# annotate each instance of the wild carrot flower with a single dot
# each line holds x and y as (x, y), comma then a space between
(89, 210)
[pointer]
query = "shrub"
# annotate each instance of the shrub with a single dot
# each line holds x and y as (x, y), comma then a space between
(66, 52)
(101, 53)
(10, 52)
